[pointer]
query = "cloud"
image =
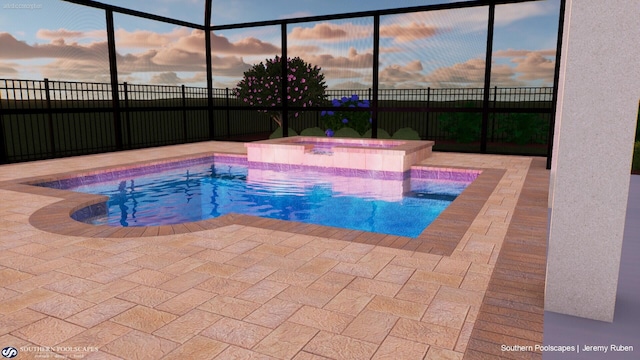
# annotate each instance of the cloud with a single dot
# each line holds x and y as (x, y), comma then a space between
(415, 65)
(148, 39)
(8, 69)
(303, 49)
(405, 33)
(534, 66)
(470, 74)
(229, 66)
(220, 44)
(349, 85)
(76, 70)
(171, 78)
(514, 53)
(388, 50)
(352, 60)
(57, 34)
(246, 46)
(335, 73)
(474, 19)
(331, 32)
(15, 49)
(75, 61)
(179, 57)
(394, 73)
(322, 31)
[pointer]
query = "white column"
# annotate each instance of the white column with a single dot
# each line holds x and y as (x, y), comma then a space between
(595, 128)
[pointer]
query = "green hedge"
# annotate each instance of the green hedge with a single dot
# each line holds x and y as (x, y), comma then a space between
(278, 133)
(406, 134)
(382, 134)
(635, 165)
(638, 127)
(314, 131)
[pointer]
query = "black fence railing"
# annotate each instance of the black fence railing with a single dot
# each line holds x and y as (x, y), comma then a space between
(46, 119)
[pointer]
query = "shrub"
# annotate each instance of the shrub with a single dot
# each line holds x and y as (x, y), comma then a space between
(338, 119)
(524, 128)
(314, 131)
(347, 133)
(382, 134)
(406, 134)
(278, 133)
(261, 86)
(462, 127)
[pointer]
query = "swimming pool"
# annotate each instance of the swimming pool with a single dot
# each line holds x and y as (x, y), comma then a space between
(196, 191)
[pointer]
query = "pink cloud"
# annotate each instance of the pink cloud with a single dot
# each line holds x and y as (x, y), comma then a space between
(534, 66)
(471, 74)
(349, 85)
(171, 78)
(352, 60)
(57, 34)
(405, 33)
(148, 39)
(8, 69)
(518, 53)
(395, 74)
(15, 49)
(336, 73)
(303, 49)
(331, 32)
(322, 31)
(220, 44)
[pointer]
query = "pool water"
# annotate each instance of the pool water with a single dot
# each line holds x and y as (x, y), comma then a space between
(198, 192)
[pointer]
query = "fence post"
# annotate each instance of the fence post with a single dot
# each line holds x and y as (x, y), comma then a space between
(493, 115)
(126, 114)
(487, 80)
(428, 112)
(113, 71)
(228, 114)
(3, 147)
(284, 81)
(184, 114)
(52, 138)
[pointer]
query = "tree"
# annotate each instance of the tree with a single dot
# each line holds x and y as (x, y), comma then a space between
(261, 86)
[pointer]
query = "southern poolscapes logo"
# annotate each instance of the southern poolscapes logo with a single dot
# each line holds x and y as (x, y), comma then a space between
(9, 352)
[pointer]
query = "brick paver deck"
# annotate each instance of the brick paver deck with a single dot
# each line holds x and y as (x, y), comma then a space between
(242, 287)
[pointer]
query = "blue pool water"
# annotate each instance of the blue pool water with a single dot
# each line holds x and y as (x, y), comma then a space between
(197, 192)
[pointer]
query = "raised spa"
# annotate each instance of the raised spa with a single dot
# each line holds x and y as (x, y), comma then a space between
(394, 156)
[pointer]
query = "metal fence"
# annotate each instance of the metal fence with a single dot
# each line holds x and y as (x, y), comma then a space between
(42, 119)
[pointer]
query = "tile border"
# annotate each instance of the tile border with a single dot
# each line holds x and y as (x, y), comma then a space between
(512, 310)
(441, 237)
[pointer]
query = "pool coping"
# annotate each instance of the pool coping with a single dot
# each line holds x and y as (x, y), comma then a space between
(512, 310)
(441, 237)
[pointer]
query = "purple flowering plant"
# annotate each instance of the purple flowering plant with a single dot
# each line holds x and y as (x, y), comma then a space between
(260, 86)
(337, 119)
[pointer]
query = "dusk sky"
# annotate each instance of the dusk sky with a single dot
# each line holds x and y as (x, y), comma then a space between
(63, 41)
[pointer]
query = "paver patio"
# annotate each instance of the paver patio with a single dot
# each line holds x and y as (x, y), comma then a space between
(245, 288)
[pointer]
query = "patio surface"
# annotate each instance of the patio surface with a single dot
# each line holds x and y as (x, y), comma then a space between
(248, 288)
